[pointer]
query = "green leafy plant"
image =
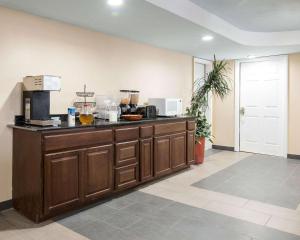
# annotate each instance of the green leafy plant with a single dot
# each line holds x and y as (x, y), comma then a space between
(215, 82)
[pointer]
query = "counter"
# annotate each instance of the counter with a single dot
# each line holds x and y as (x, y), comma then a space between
(98, 123)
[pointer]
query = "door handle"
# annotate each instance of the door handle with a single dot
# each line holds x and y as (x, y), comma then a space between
(242, 111)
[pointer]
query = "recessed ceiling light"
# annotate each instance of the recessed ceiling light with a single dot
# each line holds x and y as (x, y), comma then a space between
(115, 3)
(251, 56)
(207, 38)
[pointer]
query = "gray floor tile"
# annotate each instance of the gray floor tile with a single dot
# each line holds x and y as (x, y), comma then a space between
(149, 230)
(146, 221)
(164, 218)
(100, 212)
(214, 183)
(89, 216)
(77, 220)
(197, 229)
(99, 230)
(257, 231)
(181, 210)
(4, 225)
(119, 203)
(141, 209)
(140, 197)
(259, 177)
(122, 220)
(175, 234)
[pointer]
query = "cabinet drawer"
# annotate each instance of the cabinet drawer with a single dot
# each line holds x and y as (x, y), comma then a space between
(169, 128)
(127, 153)
(79, 139)
(191, 125)
(126, 134)
(126, 176)
(146, 131)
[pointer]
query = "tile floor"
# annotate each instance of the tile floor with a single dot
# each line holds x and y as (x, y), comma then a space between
(185, 206)
(272, 180)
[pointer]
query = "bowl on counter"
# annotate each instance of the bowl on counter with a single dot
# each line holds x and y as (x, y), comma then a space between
(132, 117)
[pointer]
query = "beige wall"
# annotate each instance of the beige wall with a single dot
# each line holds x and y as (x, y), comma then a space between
(31, 45)
(294, 104)
(223, 114)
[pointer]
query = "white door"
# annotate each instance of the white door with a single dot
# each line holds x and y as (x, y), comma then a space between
(263, 97)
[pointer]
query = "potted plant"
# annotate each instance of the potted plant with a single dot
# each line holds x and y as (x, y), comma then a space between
(215, 82)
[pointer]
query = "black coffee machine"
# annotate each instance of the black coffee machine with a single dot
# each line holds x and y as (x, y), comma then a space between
(36, 107)
(36, 98)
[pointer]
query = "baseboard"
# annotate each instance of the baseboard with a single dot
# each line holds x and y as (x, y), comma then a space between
(226, 148)
(5, 205)
(293, 156)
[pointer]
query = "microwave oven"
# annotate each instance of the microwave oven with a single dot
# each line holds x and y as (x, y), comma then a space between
(167, 106)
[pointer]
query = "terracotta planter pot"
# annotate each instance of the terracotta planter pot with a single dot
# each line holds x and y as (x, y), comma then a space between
(199, 151)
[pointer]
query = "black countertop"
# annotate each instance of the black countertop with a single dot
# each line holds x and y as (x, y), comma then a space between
(98, 123)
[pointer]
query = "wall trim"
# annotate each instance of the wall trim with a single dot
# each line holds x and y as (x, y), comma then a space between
(293, 156)
(226, 148)
(5, 205)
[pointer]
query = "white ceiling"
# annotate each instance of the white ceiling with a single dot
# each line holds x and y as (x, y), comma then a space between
(256, 15)
(178, 26)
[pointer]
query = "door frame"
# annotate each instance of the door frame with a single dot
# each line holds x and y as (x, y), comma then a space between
(237, 78)
(208, 68)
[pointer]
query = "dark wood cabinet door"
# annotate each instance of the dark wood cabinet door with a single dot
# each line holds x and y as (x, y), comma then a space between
(146, 159)
(162, 156)
(98, 171)
(178, 151)
(127, 176)
(191, 147)
(127, 153)
(63, 185)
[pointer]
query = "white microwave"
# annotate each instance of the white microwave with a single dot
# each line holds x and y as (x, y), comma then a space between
(167, 106)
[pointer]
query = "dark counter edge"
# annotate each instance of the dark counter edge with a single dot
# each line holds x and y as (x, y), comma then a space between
(98, 123)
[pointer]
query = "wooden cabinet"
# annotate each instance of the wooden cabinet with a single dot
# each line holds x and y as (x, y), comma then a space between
(169, 153)
(146, 159)
(63, 174)
(74, 176)
(178, 151)
(162, 156)
(58, 170)
(98, 172)
(190, 147)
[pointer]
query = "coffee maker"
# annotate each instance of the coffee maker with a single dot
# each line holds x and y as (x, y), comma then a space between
(36, 98)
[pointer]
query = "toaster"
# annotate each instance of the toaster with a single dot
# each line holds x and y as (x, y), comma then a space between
(147, 111)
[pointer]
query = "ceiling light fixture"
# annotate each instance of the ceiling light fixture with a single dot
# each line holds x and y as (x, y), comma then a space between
(115, 3)
(207, 38)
